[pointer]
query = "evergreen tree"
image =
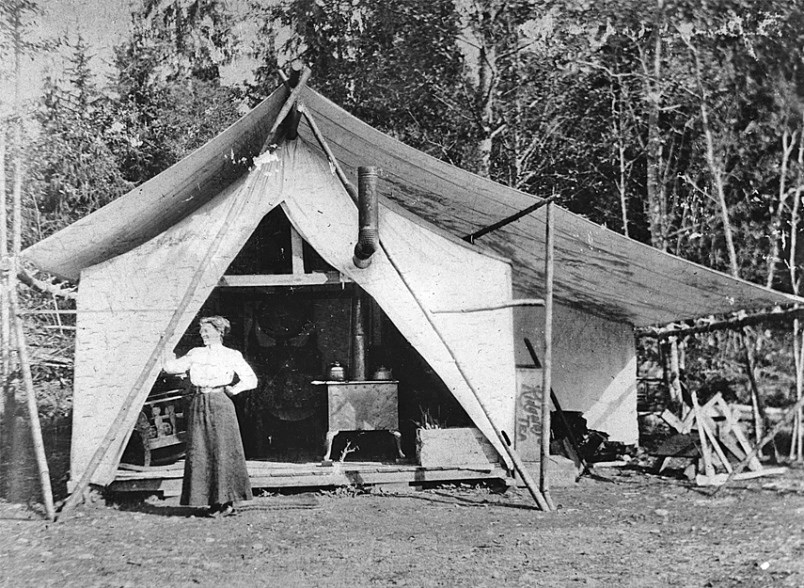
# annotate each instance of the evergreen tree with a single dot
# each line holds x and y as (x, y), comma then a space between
(395, 65)
(73, 169)
(170, 96)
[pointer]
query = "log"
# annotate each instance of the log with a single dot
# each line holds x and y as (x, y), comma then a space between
(738, 433)
(705, 454)
(765, 440)
(733, 323)
(721, 479)
(703, 422)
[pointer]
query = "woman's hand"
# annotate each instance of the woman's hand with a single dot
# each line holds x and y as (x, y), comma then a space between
(170, 364)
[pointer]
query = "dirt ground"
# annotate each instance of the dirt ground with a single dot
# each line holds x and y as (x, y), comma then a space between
(623, 527)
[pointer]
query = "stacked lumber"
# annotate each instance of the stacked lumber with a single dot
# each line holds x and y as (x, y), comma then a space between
(718, 438)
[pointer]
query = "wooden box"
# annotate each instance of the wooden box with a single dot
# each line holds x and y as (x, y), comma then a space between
(464, 446)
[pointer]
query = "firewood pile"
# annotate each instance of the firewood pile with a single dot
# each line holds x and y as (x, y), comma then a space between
(710, 437)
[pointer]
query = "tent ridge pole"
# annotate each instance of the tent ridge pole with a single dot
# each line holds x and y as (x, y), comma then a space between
(350, 189)
(291, 101)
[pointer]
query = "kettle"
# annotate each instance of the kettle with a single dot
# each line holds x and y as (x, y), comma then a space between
(336, 372)
(382, 373)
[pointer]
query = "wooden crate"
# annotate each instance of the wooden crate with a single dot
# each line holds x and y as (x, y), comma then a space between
(453, 447)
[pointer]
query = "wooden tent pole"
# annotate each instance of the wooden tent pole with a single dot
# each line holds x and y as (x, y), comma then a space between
(547, 363)
(159, 350)
(33, 409)
(291, 100)
(508, 220)
(517, 461)
(561, 415)
(5, 318)
(710, 326)
(350, 189)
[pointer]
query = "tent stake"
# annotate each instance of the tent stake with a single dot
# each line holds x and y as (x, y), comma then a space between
(33, 410)
(547, 364)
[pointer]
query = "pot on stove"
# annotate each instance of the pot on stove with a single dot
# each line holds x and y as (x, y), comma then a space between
(336, 372)
(382, 373)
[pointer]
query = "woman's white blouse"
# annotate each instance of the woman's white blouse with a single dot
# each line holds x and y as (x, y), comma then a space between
(213, 367)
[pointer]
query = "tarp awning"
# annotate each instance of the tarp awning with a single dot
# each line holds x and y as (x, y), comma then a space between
(596, 270)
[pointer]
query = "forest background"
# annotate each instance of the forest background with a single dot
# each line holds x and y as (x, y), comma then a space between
(677, 123)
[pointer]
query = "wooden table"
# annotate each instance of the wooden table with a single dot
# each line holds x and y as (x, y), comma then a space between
(362, 406)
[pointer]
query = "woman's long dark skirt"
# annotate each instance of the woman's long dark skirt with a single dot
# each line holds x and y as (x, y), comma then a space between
(215, 467)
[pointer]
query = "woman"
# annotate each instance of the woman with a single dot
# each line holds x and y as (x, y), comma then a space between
(215, 471)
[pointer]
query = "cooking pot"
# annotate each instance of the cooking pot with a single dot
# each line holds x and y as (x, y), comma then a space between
(382, 373)
(336, 371)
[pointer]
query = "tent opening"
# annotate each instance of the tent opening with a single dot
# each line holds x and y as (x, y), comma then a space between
(291, 328)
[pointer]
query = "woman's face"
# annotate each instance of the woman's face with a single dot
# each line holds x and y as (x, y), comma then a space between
(209, 334)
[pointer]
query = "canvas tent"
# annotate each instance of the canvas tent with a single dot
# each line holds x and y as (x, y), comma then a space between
(153, 256)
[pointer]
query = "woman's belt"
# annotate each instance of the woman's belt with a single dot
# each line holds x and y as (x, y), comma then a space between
(208, 389)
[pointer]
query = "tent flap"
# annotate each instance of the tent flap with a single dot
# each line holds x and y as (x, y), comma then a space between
(125, 304)
(414, 273)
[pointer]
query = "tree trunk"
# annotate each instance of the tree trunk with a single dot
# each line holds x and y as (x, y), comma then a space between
(485, 108)
(656, 204)
(714, 166)
(617, 112)
(798, 335)
(788, 141)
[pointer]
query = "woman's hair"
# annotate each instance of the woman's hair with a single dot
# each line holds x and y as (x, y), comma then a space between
(221, 324)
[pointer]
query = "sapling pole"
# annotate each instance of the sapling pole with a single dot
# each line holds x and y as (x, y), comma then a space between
(33, 410)
(547, 363)
(5, 319)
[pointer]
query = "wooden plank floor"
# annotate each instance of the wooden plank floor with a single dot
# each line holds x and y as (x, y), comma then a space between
(275, 475)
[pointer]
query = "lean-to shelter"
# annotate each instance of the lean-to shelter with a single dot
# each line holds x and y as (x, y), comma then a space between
(149, 261)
